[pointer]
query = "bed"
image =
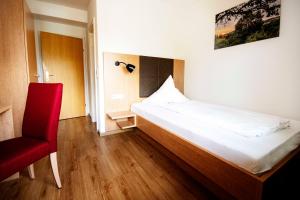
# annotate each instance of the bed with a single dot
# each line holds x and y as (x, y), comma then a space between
(238, 165)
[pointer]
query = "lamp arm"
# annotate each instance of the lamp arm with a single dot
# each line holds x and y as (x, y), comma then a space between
(123, 63)
(129, 67)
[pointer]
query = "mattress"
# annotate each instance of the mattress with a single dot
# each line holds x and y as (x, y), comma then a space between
(254, 154)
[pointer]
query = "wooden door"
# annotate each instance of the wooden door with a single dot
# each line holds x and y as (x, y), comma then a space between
(63, 63)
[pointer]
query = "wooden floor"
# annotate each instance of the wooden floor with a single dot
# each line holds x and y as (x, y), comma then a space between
(121, 166)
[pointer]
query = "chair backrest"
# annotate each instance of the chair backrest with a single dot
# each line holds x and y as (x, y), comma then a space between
(42, 112)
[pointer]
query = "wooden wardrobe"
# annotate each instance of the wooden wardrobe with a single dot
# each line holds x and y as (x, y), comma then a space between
(17, 57)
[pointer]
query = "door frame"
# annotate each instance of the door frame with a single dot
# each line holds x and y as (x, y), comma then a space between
(98, 76)
(86, 75)
(92, 47)
(85, 62)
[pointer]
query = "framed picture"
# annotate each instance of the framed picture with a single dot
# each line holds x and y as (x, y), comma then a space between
(251, 21)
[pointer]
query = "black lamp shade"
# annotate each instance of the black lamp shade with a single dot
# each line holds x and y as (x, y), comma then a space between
(130, 68)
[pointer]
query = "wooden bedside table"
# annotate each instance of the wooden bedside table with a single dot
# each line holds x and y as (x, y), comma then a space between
(124, 119)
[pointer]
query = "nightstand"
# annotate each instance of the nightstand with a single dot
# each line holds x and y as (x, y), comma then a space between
(124, 119)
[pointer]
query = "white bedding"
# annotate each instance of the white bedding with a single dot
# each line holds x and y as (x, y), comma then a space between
(255, 154)
(244, 123)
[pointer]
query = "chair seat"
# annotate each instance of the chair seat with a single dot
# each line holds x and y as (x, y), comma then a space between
(18, 153)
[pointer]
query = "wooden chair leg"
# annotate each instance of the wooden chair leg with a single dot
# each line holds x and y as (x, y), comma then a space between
(31, 171)
(53, 161)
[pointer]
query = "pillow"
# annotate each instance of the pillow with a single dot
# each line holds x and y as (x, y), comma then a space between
(168, 84)
(167, 93)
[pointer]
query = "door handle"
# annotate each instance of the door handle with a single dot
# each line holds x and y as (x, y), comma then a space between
(47, 76)
(36, 75)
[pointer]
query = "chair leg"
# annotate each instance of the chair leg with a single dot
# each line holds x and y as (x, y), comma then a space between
(31, 171)
(53, 160)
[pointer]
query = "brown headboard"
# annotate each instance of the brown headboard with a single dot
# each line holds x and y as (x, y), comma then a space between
(122, 89)
(153, 73)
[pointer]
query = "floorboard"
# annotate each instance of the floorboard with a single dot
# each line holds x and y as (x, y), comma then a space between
(120, 166)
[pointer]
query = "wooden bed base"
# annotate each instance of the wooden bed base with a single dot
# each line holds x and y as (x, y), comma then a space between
(220, 175)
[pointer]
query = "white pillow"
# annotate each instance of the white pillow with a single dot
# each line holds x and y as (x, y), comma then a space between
(167, 93)
(168, 84)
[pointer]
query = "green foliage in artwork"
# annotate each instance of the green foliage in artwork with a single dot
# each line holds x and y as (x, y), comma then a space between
(249, 32)
(253, 20)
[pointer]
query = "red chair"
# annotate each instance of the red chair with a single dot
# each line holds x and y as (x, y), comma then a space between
(39, 133)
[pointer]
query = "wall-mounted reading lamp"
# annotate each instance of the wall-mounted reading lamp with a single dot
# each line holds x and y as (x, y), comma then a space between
(129, 67)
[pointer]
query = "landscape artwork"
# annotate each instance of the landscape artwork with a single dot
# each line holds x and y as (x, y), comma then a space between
(251, 21)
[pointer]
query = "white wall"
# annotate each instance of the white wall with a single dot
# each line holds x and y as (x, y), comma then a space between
(144, 27)
(261, 76)
(57, 11)
(93, 63)
(59, 28)
(141, 27)
(99, 70)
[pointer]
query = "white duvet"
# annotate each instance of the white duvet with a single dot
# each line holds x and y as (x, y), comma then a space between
(244, 123)
(255, 154)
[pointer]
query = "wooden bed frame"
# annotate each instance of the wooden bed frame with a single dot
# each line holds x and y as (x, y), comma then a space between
(220, 175)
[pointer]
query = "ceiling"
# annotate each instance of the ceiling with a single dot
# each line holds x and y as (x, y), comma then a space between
(80, 4)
